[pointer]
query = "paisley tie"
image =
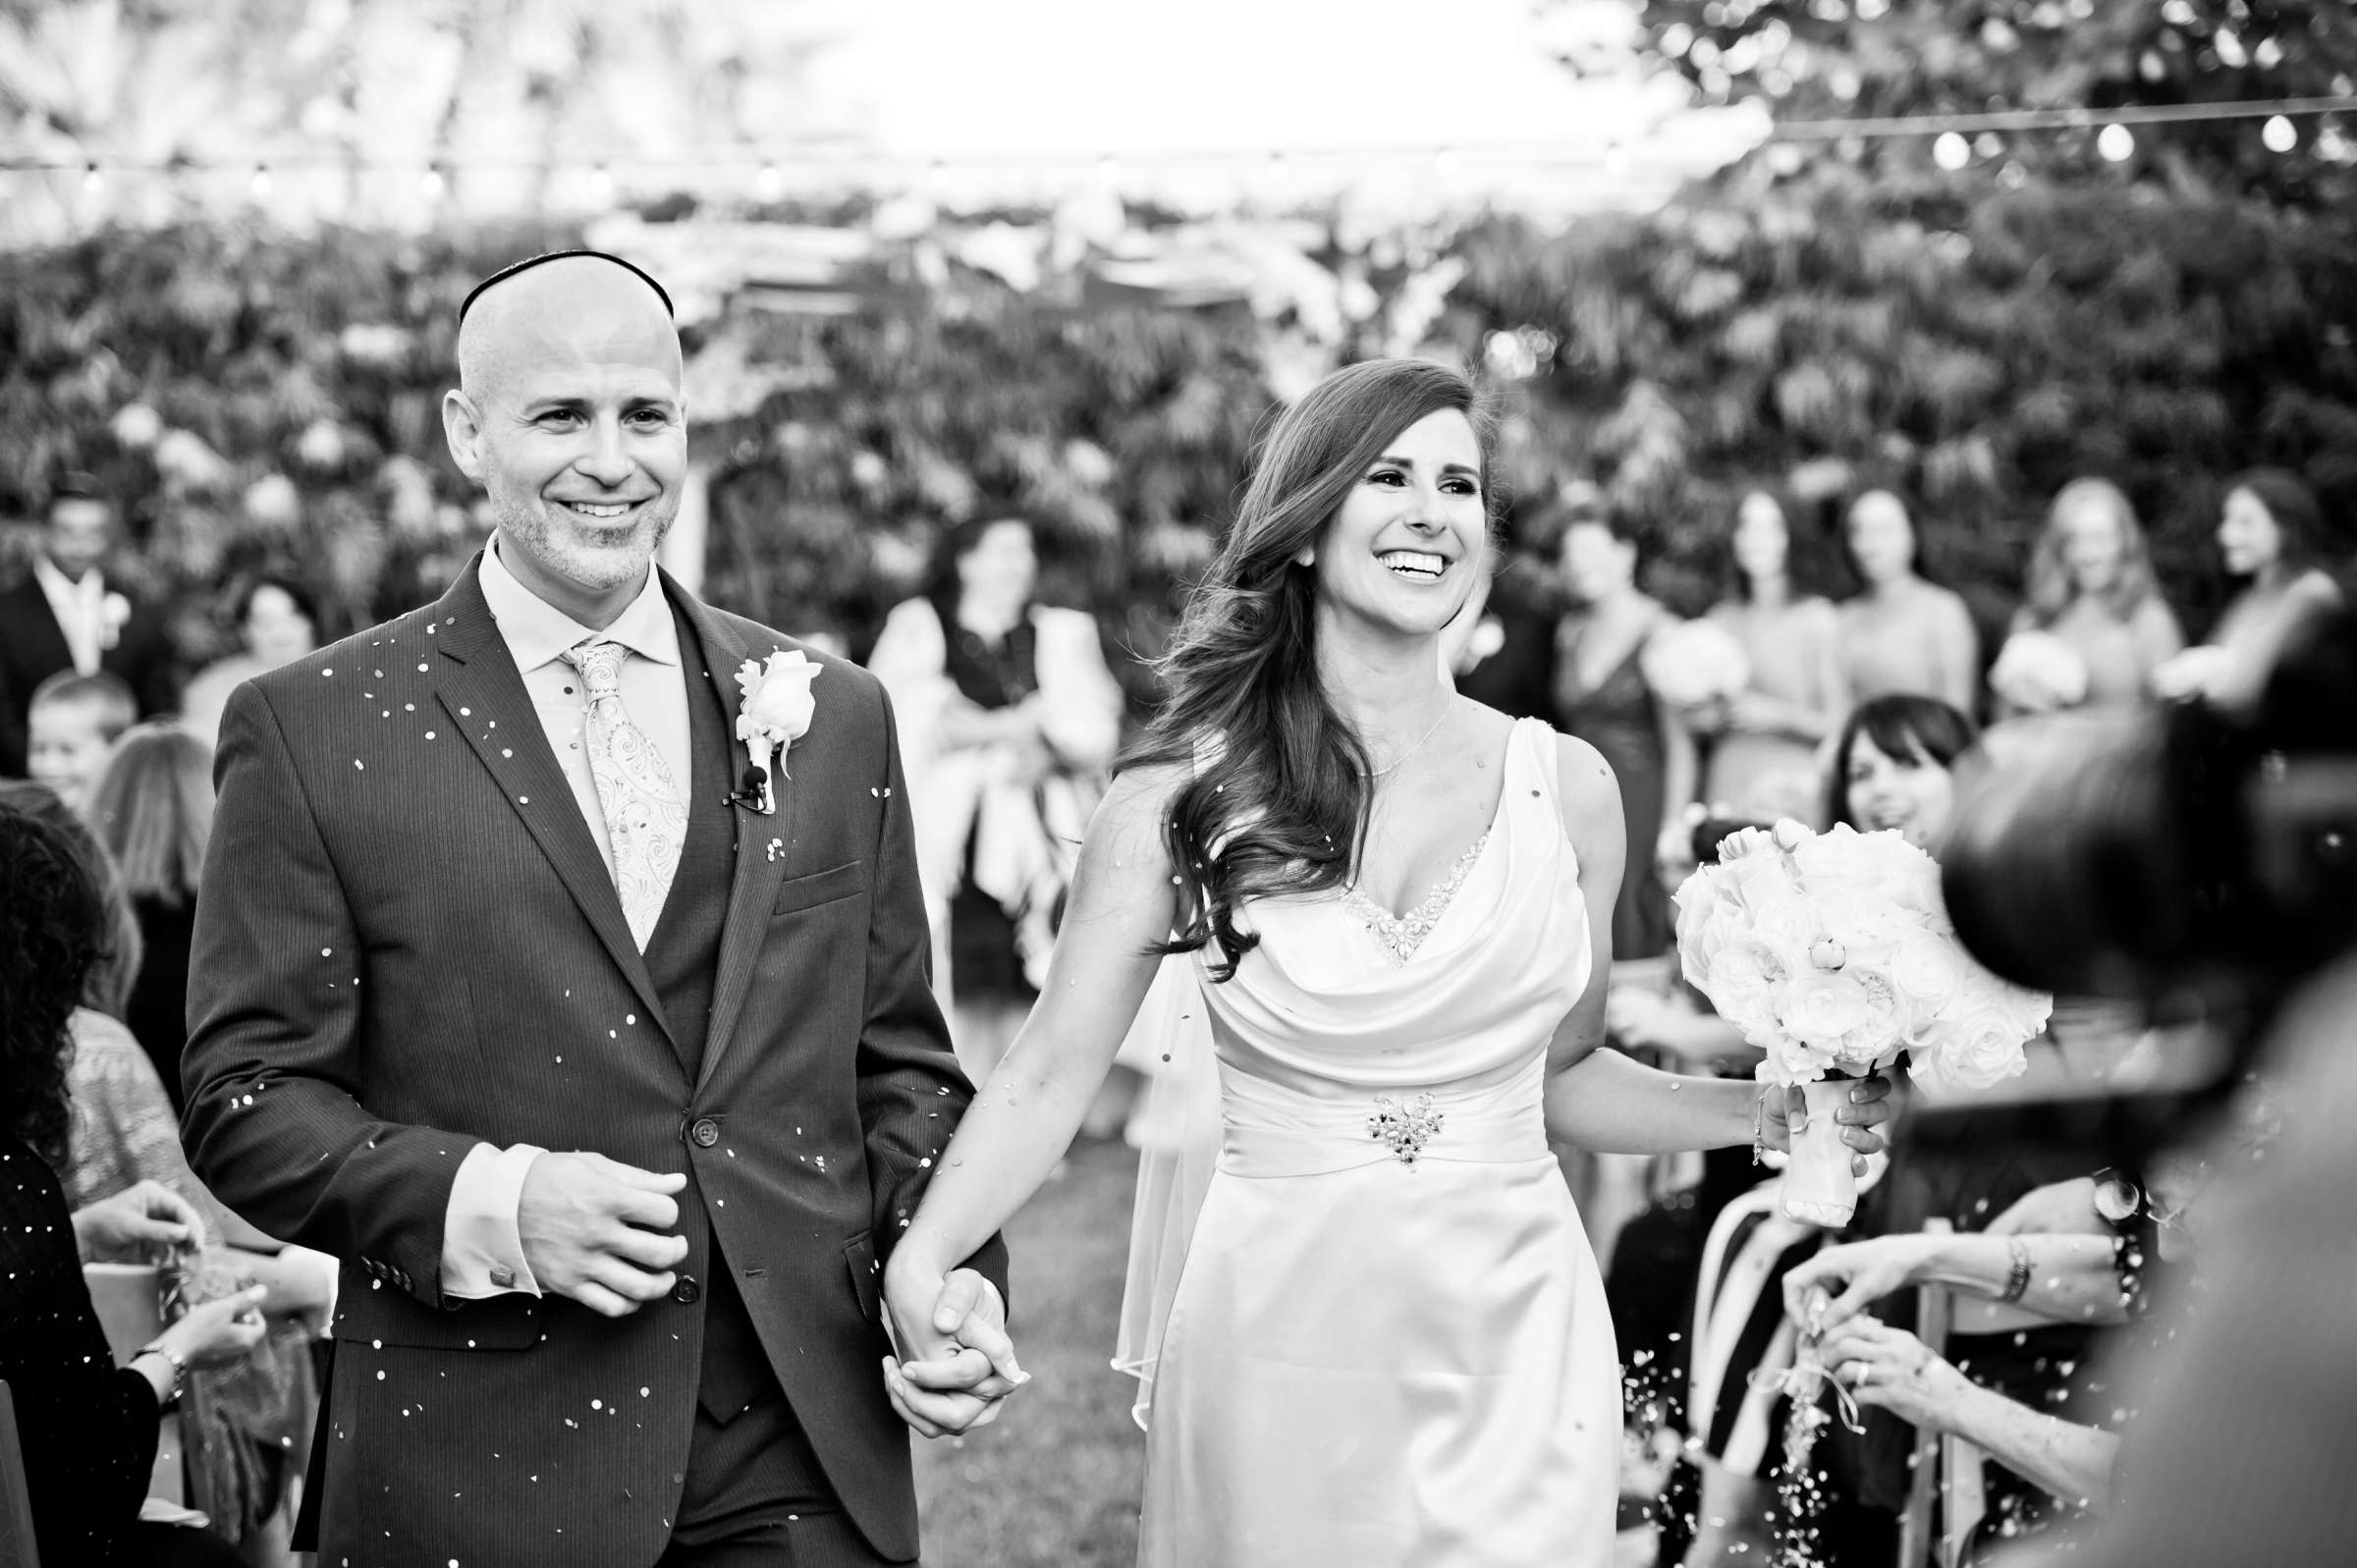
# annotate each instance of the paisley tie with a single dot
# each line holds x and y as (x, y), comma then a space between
(646, 817)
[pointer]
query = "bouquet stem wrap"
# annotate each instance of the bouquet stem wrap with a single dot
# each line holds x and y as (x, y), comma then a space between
(1819, 1187)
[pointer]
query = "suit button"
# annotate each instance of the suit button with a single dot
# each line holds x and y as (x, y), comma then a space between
(687, 1291)
(705, 1132)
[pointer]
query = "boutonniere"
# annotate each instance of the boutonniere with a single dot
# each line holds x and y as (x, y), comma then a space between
(114, 610)
(776, 713)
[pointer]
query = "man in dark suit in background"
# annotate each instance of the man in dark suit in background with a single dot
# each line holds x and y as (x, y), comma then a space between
(612, 1082)
(64, 616)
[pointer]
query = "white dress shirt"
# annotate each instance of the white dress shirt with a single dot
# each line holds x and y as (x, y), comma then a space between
(81, 610)
(483, 1254)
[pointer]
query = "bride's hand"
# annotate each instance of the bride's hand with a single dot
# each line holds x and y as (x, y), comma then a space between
(956, 1362)
(1785, 1114)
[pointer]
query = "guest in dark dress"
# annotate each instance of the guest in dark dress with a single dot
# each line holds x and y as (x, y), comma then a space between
(1601, 697)
(1007, 719)
(153, 811)
(88, 1427)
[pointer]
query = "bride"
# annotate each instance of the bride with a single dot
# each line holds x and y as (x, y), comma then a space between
(1389, 1342)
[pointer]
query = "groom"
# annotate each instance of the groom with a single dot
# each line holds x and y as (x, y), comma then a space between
(610, 1074)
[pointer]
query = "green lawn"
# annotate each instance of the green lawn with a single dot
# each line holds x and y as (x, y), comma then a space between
(1054, 1483)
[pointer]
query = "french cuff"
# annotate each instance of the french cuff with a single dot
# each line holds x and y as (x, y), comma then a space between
(482, 1251)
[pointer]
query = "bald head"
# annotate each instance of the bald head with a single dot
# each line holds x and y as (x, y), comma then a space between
(582, 309)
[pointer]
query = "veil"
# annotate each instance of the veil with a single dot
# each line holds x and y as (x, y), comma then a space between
(1177, 1132)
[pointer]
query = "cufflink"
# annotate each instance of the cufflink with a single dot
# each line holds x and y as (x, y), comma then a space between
(504, 1277)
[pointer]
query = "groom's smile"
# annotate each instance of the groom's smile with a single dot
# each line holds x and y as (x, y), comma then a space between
(569, 415)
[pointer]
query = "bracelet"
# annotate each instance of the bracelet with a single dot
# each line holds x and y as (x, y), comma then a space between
(180, 1370)
(1759, 1127)
(2019, 1280)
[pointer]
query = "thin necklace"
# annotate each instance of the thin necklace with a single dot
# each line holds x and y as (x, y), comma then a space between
(1446, 708)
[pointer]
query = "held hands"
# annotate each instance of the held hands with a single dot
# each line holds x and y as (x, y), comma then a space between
(956, 1363)
(1784, 1112)
(147, 1216)
(598, 1230)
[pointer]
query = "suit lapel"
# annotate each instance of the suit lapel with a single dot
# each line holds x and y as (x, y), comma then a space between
(753, 887)
(480, 688)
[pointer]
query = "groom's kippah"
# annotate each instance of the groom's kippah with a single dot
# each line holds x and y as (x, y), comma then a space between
(529, 262)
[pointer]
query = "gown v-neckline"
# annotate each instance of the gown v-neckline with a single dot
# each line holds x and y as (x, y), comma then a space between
(1400, 934)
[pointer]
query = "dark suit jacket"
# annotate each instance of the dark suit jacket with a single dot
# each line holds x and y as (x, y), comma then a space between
(408, 943)
(32, 648)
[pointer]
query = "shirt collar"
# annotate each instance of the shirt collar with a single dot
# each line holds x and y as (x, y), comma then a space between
(57, 585)
(536, 632)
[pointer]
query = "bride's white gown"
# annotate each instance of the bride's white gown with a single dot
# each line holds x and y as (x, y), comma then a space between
(1372, 1360)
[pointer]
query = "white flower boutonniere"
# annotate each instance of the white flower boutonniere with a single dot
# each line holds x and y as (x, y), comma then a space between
(115, 611)
(776, 713)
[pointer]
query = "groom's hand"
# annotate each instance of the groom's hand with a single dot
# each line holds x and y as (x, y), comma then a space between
(598, 1230)
(957, 1363)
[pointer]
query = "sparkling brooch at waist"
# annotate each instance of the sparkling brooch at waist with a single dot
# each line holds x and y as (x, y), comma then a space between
(1404, 1131)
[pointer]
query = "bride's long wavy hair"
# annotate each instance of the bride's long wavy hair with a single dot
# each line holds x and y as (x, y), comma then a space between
(1279, 792)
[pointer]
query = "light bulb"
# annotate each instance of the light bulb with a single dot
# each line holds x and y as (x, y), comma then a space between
(2115, 142)
(770, 182)
(260, 183)
(1951, 151)
(2280, 135)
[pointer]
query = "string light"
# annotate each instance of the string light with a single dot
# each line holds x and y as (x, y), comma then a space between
(432, 185)
(769, 183)
(601, 185)
(2280, 135)
(261, 183)
(2115, 142)
(1951, 151)
(93, 181)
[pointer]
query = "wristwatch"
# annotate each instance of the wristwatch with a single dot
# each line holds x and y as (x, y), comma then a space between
(2119, 1196)
(180, 1371)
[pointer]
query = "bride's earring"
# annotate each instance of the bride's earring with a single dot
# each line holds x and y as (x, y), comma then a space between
(1306, 556)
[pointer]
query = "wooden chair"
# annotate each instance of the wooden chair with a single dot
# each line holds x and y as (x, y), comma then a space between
(129, 1298)
(16, 1546)
(1947, 1497)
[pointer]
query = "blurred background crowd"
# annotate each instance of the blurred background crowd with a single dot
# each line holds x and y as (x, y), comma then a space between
(1873, 382)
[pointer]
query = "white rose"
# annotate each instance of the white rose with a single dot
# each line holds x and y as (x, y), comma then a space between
(1786, 924)
(1841, 853)
(1877, 1036)
(1929, 971)
(1820, 1008)
(778, 704)
(1976, 1049)
(1740, 984)
(1864, 918)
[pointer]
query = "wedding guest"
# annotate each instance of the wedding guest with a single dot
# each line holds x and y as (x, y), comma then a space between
(2271, 542)
(153, 811)
(1509, 658)
(89, 1430)
(1765, 744)
(248, 1425)
(1894, 763)
(1601, 697)
(1007, 719)
(1901, 632)
(277, 623)
(73, 722)
(2091, 586)
(67, 616)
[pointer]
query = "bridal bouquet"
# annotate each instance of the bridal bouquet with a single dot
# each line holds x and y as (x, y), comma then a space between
(1690, 662)
(1833, 953)
(2038, 672)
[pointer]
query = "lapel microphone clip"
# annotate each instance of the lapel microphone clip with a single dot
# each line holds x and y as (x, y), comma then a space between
(747, 791)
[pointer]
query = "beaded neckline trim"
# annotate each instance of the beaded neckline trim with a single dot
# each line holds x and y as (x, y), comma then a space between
(1403, 934)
